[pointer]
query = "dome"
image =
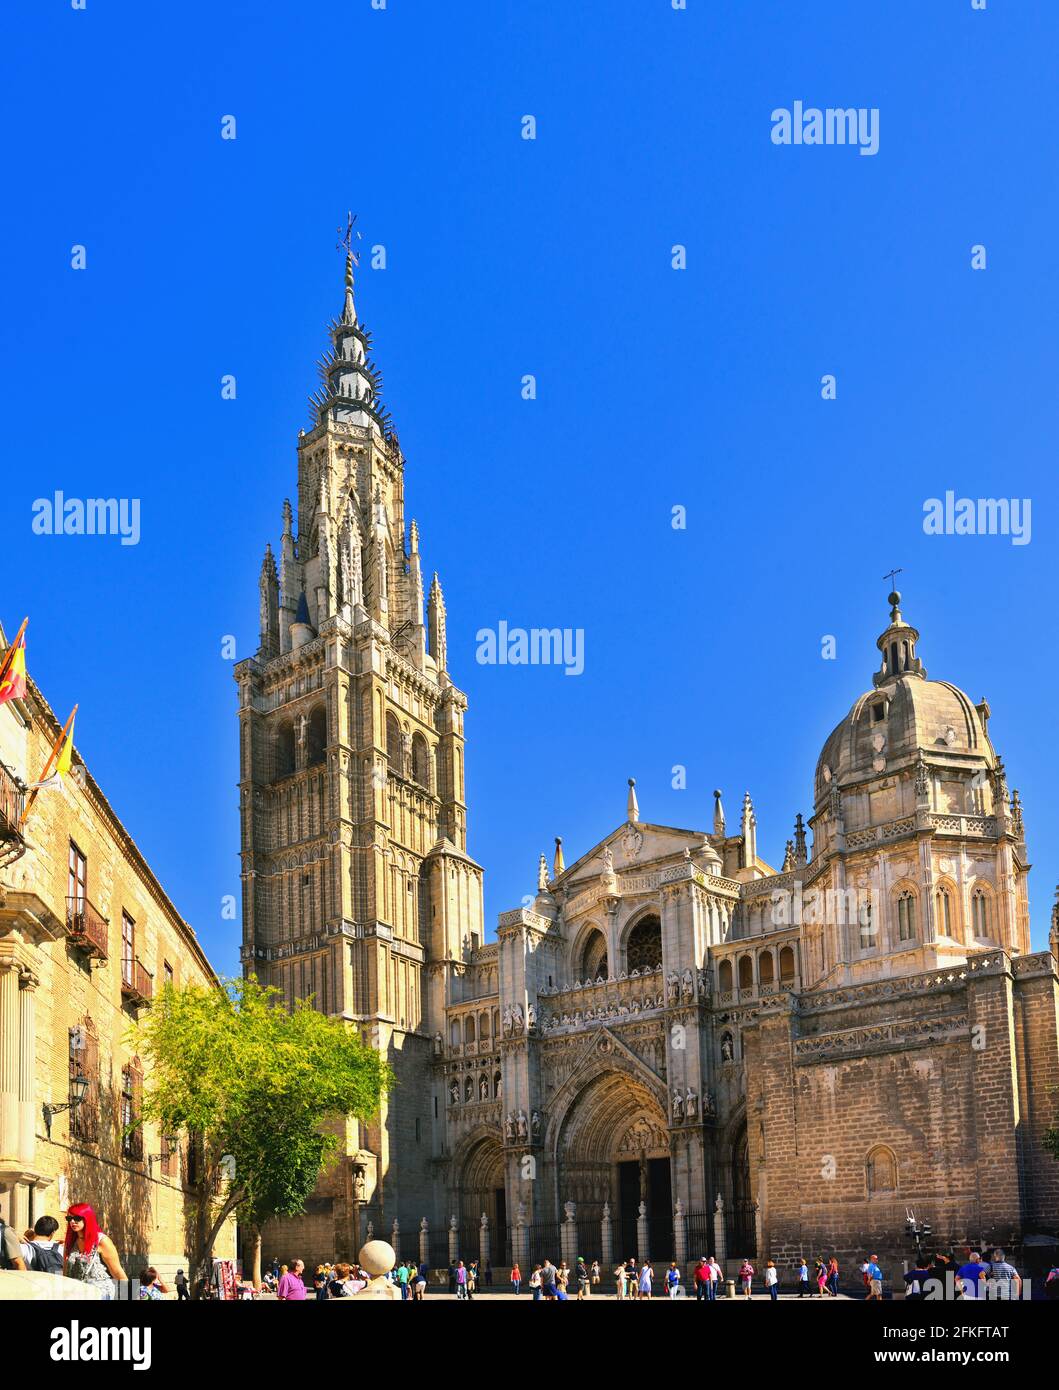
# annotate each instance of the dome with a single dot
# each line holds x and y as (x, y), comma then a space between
(903, 715)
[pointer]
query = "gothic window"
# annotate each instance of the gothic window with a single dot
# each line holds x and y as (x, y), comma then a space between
(880, 1171)
(317, 736)
(128, 948)
(284, 750)
(980, 913)
(468, 1029)
(421, 760)
(724, 976)
(644, 950)
(787, 963)
(906, 916)
(766, 968)
(593, 958)
(393, 744)
(454, 1033)
(943, 911)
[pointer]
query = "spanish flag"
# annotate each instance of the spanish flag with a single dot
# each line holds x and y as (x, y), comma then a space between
(62, 762)
(13, 682)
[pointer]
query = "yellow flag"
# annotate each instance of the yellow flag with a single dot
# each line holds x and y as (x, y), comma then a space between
(62, 767)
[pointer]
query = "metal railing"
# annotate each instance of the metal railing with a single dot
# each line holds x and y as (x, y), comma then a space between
(87, 927)
(137, 982)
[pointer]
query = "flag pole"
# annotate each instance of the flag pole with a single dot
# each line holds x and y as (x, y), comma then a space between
(12, 647)
(56, 746)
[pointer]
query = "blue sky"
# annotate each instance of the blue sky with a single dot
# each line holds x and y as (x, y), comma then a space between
(656, 388)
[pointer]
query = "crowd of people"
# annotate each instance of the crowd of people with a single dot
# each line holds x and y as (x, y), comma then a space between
(87, 1253)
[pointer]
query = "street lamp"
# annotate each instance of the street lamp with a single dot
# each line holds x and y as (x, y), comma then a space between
(170, 1141)
(79, 1085)
(920, 1231)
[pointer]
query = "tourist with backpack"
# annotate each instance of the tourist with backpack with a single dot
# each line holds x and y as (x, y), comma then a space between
(44, 1254)
(11, 1256)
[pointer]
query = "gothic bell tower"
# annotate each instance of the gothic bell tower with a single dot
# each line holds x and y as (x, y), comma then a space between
(356, 878)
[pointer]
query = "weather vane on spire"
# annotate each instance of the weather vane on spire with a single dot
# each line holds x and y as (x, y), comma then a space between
(345, 239)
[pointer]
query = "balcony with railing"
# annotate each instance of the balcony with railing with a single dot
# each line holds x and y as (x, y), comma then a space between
(12, 802)
(137, 982)
(87, 928)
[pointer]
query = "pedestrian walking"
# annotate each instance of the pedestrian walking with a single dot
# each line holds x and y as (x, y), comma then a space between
(716, 1275)
(673, 1280)
(803, 1277)
(516, 1278)
(535, 1282)
(461, 1280)
(772, 1280)
(181, 1282)
(820, 1273)
(621, 1281)
(746, 1277)
(832, 1277)
(584, 1287)
(875, 1277)
(647, 1275)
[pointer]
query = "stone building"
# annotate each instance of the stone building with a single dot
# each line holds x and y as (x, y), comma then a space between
(87, 936)
(696, 1049)
(677, 1045)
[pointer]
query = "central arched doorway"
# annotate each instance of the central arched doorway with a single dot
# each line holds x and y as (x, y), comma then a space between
(479, 1190)
(613, 1147)
(742, 1227)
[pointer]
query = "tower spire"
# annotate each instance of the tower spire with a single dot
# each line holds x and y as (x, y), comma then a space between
(632, 806)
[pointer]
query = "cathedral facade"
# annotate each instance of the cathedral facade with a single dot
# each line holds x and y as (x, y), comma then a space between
(677, 1046)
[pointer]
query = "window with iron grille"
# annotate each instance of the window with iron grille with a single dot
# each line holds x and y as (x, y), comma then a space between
(84, 1061)
(131, 1093)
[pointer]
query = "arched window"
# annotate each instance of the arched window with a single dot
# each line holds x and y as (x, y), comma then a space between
(644, 950)
(880, 1171)
(943, 911)
(393, 745)
(906, 916)
(980, 913)
(724, 976)
(421, 761)
(765, 968)
(454, 1032)
(787, 963)
(284, 750)
(317, 738)
(468, 1029)
(483, 1026)
(746, 973)
(593, 958)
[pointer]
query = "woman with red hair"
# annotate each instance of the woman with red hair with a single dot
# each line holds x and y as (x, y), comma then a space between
(88, 1254)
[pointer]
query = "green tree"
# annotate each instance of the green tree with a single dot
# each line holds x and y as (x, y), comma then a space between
(257, 1088)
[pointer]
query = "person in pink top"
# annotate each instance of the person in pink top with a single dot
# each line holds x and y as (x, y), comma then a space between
(291, 1287)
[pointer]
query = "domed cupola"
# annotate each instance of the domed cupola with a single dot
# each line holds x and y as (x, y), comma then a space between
(904, 718)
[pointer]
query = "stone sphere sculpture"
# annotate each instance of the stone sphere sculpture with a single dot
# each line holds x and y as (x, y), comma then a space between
(376, 1259)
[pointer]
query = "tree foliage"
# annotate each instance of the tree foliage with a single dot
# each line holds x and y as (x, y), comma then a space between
(245, 1077)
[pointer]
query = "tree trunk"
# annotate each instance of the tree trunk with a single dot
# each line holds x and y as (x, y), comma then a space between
(255, 1257)
(206, 1234)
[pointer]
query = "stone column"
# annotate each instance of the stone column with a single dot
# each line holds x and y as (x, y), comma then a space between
(643, 1244)
(454, 1241)
(484, 1247)
(720, 1249)
(522, 1241)
(27, 1067)
(680, 1234)
(395, 1239)
(424, 1242)
(9, 1062)
(606, 1241)
(568, 1235)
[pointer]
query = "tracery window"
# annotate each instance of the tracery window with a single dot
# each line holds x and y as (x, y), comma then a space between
(644, 950)
(980, 912)
(906, 916)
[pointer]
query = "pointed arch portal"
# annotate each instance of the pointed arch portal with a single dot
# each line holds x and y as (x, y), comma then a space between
(613, 1146)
